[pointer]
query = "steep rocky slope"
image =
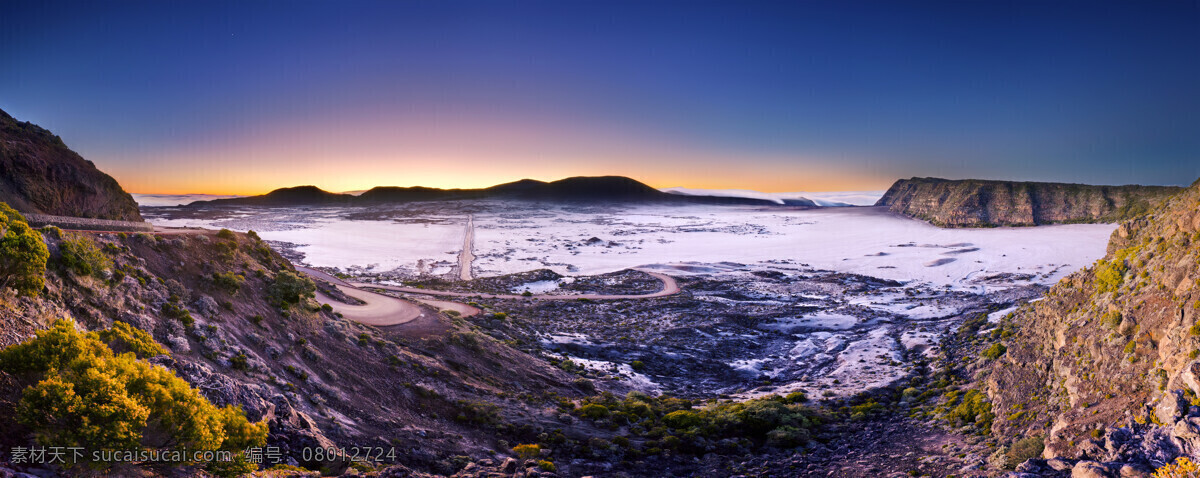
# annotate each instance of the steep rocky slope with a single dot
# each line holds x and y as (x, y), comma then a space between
(1105, 367)
(40, 174)
(980, 203)
(431, 392)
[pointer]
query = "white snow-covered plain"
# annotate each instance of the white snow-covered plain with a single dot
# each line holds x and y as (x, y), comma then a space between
(587, 240)
(847, 341)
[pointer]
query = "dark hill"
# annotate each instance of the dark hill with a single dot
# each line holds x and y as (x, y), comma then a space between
(581, 188)
(391, 194)
(40, 174)
(983, 203)
(294, 196)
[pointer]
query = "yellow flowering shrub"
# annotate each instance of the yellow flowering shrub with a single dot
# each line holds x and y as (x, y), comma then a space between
(1182, 468)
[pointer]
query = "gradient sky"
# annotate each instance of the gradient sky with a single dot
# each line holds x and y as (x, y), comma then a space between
(244, 97)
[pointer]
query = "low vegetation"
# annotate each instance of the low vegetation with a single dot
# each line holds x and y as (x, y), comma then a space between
(290, 288)
(23, 254)
(668, 423)
(81, 255)
(229, 282)
(1110, 275)
(1181, 468)
(82, 393)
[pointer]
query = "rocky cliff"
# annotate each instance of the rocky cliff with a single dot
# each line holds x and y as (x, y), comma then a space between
(1105, 367)
(40, 174)
(980, 203)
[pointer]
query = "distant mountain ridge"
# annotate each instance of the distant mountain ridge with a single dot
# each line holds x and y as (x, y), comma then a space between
(988, 203)
(40, 174)
(574, 189)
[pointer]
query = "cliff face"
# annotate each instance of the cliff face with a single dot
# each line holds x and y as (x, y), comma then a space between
(39, 174)
(980, 203)
(1106, 365)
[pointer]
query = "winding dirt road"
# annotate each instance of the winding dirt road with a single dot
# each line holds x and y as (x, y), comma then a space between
(377, 309)
(384, 310)
(670, 287)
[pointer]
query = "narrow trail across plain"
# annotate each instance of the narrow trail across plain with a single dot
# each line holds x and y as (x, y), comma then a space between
(467, 256)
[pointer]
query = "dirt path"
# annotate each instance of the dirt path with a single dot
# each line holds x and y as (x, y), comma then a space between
(377, 309)
(462, 309)
(670, 287)
(467, 256)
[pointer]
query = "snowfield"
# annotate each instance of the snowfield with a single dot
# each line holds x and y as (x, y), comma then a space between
(423, 238)
(832, 301)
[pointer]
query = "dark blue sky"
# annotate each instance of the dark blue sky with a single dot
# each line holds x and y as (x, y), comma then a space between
(247, 96)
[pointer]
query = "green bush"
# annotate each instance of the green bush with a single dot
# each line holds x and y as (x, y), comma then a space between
(1110, 275)
(972, 410)
(227, 235)
(1024, 449)
(239, 361)
(229, 282)
(787, 437)
(52, 231)
(86, 395)
(594, 411)
(122, 337)
(796, 397)
(290, 288)
(1111, 319)
(527, 451)
(175, 311)
(995, 351)
(81, 256)
(23, 254)
(681, 419)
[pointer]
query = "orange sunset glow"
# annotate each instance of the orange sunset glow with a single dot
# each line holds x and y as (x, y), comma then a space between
(398, 152)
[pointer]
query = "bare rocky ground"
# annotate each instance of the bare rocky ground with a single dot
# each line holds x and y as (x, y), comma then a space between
(887, 338)
(747, 331)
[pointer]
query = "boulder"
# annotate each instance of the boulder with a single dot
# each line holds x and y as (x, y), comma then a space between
(1133, 470)
(1171, 407)
(1060, 464)
(1032, 465)
(1191, 376)
(1090, 469)
(207, 306)
(509, 465)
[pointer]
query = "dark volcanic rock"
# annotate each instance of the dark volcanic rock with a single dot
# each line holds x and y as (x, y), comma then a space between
(39, 174)
(980, 203)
